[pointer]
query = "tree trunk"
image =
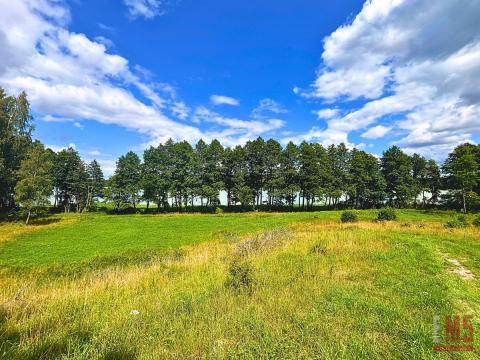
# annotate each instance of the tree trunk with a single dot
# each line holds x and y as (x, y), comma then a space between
(464, 202)
(28, 217)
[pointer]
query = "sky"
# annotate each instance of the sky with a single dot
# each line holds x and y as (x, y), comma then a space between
(109, 76)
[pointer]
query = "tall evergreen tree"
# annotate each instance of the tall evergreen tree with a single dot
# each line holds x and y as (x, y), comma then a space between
(69, 177)
(397, 171)
(366, 185)
(273, 180)
(255, 159)
(128, 176)
(419, 168)
(95, 183)
(242, 193)
(308, 174)
(289, 168)
(432, 181)
(213, 173)
(463, 171)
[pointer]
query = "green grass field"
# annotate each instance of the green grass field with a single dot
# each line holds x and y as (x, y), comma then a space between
(257, 285)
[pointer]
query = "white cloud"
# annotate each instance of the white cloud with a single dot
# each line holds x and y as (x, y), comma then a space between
(146, 8)
(223, 100)
(266, 107)
(94, 153)
(180, 110)
(376, 132)
(401, 61)
(58, 148)
(236, 131)
(69, 77)
(327, 113)
(78, 125)
(105, 41)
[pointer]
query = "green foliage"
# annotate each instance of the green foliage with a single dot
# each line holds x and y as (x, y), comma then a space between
(35, 184)
(240, 275)
(348, 217)
(397, 171)
(387, 214)
(462, 168)
(260, 173)
(476, 221)
(460, 222)
(127, 179)
(15, 140)
(218, 210)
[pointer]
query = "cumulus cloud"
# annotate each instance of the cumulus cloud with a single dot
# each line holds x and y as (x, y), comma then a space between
(224, 100)
(327, 113)
(71, 78)
(398, 58)
(236, 131)
(376, 132)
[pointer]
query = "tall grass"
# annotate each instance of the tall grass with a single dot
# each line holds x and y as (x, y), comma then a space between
(370, 293)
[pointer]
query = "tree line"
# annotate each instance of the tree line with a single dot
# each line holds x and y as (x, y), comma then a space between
(261, 173)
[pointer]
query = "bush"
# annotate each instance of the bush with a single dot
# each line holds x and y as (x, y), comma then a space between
(476, 221)
(459, 222)
(387, 214)
(218, 211)
(348, 216)
(240, 276)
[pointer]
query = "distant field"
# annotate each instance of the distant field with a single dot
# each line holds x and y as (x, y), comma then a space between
(258, 285)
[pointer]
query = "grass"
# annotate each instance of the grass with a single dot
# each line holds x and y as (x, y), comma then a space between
(314, 287)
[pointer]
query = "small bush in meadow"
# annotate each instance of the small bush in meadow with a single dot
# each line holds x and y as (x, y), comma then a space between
(476, 221)
(387, 214)
(240, 276)
(459, 222)
(349, 217)
(218, 210)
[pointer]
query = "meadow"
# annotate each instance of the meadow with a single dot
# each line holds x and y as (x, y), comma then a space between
(254, 285)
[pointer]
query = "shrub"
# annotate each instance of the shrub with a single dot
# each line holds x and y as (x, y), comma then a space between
(240, 276)
(476, 221)
(218, 210)
(459, 222)
(387, 214)
(348, 216)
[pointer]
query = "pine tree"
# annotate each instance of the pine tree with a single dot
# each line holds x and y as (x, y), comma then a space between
(463, 171)
(128, 177)
(419, 165)
(397, 171)
(289, 167)
(95, 183)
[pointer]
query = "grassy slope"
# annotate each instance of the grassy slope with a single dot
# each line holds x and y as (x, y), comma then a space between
(370, 292)
(98, 235)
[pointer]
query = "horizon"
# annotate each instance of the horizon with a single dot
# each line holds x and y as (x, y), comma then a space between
(108, 78)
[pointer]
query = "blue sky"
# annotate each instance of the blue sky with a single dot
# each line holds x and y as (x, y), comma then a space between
(111, 76)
